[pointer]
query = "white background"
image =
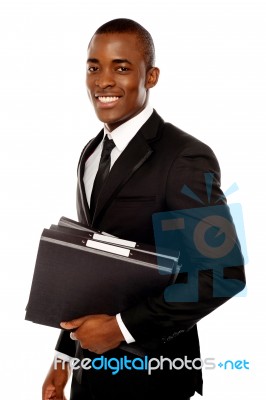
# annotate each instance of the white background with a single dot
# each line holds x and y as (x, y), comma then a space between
(212, 59)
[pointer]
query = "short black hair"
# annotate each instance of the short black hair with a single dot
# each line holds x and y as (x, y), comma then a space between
(125, 25)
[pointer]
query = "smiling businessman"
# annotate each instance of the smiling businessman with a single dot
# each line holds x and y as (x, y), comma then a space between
(148, 161)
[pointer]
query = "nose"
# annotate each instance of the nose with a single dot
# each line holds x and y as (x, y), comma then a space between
(105, 79)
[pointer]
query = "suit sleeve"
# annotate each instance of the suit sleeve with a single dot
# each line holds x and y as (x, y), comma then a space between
(175, 311)
(65, 344)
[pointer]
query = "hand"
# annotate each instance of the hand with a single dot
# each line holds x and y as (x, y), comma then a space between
(55, 382)
(97, 333)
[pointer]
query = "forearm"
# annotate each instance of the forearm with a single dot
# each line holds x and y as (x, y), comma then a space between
(159, 318)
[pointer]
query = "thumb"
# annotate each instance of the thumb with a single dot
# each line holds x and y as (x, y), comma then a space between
(75, 323)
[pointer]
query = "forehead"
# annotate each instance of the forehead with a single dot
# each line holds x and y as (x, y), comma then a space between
(116, 46)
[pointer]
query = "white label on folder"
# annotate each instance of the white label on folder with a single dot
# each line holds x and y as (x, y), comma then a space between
(108, 247)
(113, 240)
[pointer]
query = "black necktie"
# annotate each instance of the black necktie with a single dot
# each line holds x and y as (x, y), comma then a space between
(103, 171)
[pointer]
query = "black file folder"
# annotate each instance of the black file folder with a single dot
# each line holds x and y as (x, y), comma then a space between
(71, 226)
(76, 275)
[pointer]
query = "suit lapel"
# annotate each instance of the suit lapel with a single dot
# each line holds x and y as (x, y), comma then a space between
(131, 159)
(82, 204)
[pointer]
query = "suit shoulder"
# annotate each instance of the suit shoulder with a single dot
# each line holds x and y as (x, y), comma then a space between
(184, 142)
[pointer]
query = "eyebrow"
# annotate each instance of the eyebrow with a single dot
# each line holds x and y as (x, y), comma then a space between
(93, 60)
(116, 61)
(121, 61)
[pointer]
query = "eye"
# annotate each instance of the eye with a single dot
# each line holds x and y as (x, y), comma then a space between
(122, 69)
(92, 69)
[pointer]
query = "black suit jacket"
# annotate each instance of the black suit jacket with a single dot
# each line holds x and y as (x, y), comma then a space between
(148, 178)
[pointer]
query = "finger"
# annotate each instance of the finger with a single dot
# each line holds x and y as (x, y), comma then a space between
(73, 336)
(75, 323)
(48, 392)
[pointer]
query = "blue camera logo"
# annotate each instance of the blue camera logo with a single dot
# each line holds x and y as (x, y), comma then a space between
(204, 238)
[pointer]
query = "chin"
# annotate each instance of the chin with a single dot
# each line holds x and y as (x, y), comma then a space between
(110, 119)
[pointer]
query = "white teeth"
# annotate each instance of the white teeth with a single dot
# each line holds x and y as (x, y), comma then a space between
(107, 99)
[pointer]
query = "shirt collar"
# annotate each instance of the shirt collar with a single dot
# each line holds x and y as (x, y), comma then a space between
(125, 132)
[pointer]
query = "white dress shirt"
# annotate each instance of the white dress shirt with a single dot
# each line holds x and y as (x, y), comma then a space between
(121, 137)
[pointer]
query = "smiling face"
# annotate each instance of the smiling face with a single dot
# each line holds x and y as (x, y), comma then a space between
(117, 77)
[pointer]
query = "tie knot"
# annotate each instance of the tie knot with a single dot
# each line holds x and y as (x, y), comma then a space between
(108, 145)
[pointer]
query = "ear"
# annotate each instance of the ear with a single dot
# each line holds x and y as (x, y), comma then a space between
(152, 77)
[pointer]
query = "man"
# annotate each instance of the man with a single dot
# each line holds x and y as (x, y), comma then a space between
(150, 164)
